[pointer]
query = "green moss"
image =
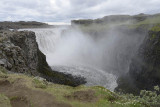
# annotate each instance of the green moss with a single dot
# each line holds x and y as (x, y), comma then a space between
(14, 98)
(155, 28)
(3, 73)
(153, 36)
(3, 70)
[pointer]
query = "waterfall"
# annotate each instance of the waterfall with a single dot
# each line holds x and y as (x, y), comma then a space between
(47, 39)
(100, 61)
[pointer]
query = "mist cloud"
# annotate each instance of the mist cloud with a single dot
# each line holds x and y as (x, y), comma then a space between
(66, 10)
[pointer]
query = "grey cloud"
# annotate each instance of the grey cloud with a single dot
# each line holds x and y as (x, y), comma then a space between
(66, 10)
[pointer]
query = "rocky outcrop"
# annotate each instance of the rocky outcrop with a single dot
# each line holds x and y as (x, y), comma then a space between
(11, 56)
(144, 72)
(27, 42)
(145, 67)
(19, 53)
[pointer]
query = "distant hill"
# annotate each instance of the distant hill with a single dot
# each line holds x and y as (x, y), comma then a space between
(22, 24)
(119, 19)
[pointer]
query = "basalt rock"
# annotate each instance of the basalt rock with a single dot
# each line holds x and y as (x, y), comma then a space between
(19, 53)
(145, 67)
(27, 42)
(144, 72)
(11, 56)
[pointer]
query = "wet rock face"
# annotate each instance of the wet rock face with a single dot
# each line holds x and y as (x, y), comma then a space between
(145, 67)
(144, 72)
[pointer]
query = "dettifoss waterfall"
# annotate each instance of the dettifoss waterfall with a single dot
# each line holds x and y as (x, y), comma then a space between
(100, 61)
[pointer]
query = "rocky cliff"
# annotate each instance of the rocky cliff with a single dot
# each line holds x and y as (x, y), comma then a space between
(19, 53)
(144, 72)
(144, 66)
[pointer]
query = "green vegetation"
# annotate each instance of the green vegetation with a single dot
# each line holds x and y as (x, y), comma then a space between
(156, 28)
(145, 22)
(153, 36)
(81, 96)
(2, 70)
(151, 20)
(94, 28)
(104, 97)
(39, 84)
(148, 98)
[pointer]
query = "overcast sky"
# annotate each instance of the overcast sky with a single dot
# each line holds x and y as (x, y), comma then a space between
(66, 10)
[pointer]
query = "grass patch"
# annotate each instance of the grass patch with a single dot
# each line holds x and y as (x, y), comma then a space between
(103, 97)
(4, 101)
(151, 20)
(3, 70)
(16, 98)
(131, 24)
(39, 84)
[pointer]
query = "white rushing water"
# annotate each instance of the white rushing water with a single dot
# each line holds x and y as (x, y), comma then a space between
(100, 60)
(61, 56)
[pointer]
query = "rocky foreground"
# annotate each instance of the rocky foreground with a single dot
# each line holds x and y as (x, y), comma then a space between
(17, 90)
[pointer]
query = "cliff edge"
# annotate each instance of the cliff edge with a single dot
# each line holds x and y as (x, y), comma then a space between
(19, 53)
